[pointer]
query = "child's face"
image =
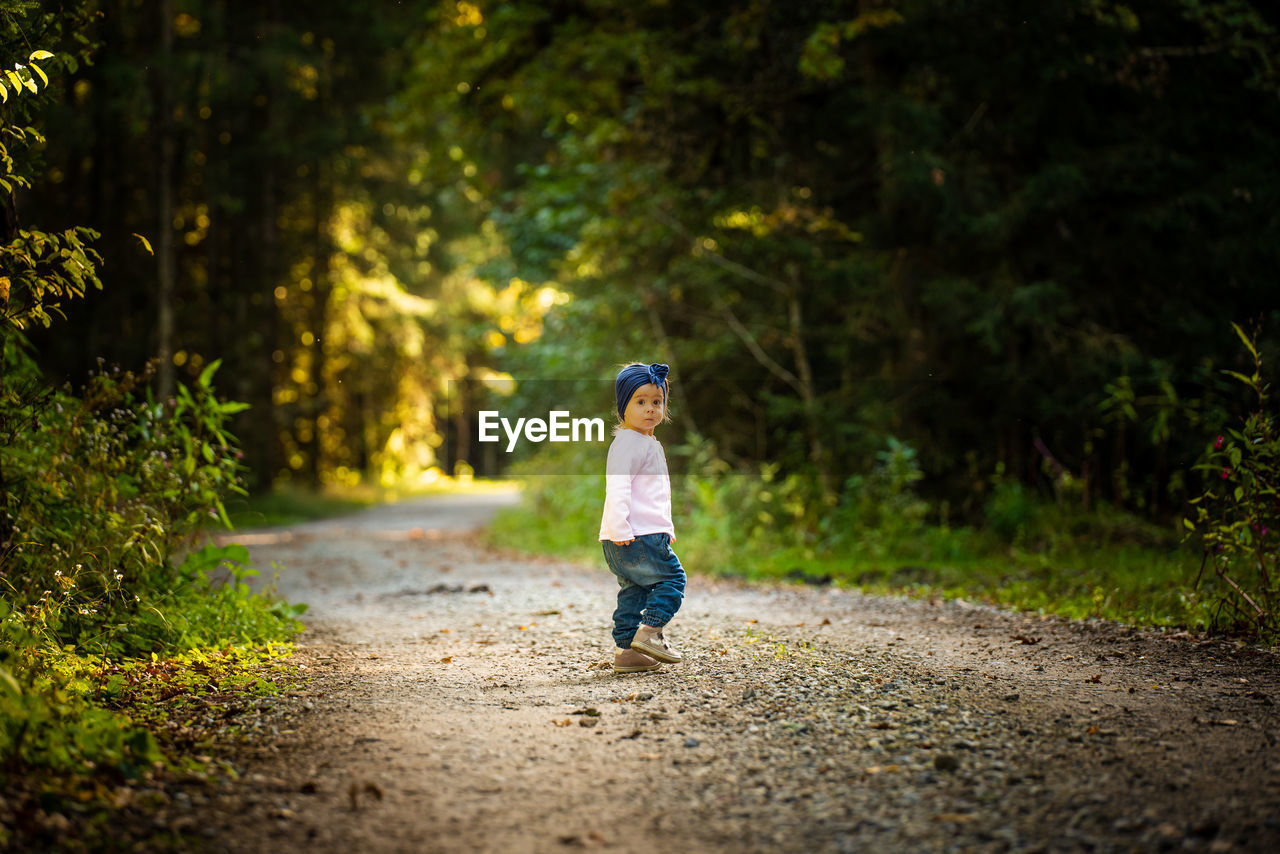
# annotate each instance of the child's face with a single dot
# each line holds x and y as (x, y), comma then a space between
(645, 410)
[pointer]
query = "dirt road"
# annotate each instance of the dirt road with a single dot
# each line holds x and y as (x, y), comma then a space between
(460, 701)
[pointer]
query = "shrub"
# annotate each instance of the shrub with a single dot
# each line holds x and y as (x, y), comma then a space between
(99, 493)
(101, 497)
(1237, 515)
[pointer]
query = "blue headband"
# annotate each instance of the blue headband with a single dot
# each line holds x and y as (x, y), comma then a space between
(632, 377)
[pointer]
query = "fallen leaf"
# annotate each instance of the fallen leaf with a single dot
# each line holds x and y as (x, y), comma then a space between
(1095, 678)
(446, 659)
(1025, 639)
(953, 817)
(588, 722)
(825, 621)
(565, 722)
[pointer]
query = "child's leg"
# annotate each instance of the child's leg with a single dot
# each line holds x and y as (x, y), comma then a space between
(631, 598)
(663, 578)
(626, 617)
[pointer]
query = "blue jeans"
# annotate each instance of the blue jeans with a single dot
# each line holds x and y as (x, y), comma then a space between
(652, 584)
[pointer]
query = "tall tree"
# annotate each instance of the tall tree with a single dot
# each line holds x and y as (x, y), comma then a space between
(844, 222)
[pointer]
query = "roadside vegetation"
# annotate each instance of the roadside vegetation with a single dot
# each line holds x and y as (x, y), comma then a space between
(290, 504)
(1213, 570)
(129, 645)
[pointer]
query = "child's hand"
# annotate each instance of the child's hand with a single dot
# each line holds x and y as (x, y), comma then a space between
(623, 542)
(673, 538)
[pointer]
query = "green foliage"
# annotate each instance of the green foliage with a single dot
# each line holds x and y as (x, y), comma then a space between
(98, 492)
(839, 223)
(22, 78)
(41, 271)
(75, 713)
(882, 536)
(1237, 517)
(38, 270)
(48, 718)
(104, 605)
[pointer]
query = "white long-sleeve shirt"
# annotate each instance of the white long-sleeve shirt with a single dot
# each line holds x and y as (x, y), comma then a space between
(637, 496)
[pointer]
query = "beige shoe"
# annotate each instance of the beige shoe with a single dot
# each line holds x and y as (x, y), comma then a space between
(630, 661)
(649, 640)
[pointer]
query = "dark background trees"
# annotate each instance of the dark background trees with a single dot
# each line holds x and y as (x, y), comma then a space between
(1011, 235)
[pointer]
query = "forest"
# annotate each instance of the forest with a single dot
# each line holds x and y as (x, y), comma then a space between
(1002, 273)
(1013, 239)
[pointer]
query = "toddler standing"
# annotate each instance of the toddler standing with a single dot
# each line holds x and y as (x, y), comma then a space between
(636, 529)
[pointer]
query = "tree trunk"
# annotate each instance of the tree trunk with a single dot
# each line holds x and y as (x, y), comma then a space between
(313, 396)
(164, 234)
(804, 372)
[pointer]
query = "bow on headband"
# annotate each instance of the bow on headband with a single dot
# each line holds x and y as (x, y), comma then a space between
(632, 377)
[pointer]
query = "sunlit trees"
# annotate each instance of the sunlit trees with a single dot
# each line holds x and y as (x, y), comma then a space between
(296, 232)
(839, 221)
(846, 221)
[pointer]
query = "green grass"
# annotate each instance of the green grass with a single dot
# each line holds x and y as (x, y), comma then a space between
(1061, 562)
(289, 505)
(1137, 585)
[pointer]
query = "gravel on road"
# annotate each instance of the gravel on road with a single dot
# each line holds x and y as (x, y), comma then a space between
(459, 698)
